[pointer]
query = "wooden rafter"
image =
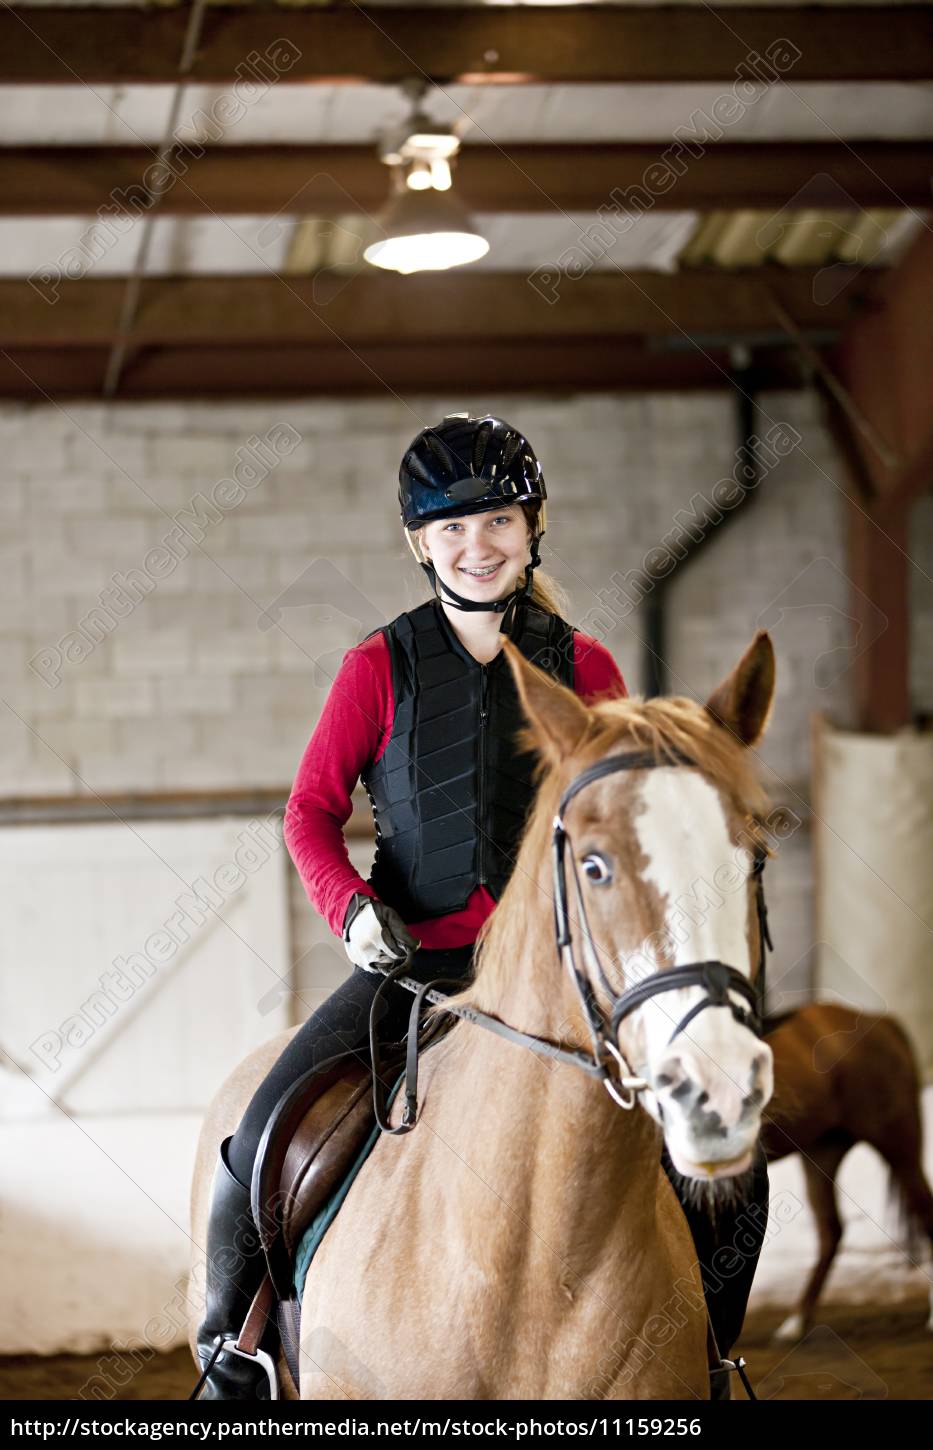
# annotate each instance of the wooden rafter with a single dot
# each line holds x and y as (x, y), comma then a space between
(575, 44)
(364, 308)
(333, 180)
(378, 370)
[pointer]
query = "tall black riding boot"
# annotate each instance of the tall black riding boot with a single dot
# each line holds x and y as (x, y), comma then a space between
(728, 1248)
(235, 1268)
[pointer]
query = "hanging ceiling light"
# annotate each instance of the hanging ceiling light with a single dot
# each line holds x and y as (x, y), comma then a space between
(424, 228)
(425, 231)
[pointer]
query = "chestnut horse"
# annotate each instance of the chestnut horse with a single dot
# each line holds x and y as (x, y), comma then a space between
(843, 1077)
(524, 1241)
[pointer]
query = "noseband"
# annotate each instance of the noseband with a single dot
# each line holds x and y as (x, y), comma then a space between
(716, 978)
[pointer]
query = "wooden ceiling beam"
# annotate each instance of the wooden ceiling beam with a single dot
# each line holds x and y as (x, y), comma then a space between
(333, 180)
(366, 308)
(479, 44)
(380, 370)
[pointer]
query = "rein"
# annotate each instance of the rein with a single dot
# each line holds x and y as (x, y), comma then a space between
(716, 978)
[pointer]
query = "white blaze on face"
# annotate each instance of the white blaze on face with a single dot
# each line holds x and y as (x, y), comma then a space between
(683, 832)
(682, 829)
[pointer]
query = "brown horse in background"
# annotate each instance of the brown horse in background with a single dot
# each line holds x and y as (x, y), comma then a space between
(843, 1077)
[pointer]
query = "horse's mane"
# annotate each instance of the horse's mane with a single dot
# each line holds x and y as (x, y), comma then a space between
(667, 726)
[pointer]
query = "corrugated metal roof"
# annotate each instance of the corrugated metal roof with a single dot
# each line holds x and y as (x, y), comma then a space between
(813, 238)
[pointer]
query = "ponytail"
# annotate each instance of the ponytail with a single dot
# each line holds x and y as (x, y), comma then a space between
(545, 591)
(549, 595)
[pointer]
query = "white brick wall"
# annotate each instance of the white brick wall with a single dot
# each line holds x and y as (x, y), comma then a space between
(187, 691)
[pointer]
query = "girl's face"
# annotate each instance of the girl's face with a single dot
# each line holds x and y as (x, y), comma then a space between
(481, 556)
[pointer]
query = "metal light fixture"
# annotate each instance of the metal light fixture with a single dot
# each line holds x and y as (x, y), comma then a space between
(425, 228)
(425, 231)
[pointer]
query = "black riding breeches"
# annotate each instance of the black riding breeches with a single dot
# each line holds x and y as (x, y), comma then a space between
(727, 1246)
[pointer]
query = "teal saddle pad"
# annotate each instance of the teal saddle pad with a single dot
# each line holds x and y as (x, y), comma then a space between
(310, 1240)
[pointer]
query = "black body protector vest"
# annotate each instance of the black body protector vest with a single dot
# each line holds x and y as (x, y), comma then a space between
(451, 792)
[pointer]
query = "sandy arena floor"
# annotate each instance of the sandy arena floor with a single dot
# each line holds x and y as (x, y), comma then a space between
(853, 1354)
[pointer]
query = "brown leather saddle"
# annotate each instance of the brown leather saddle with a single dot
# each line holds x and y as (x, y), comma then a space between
(313, 1138)
(316, 1132)
(311, 1142)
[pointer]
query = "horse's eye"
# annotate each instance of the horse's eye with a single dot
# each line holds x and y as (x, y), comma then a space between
(596, 868)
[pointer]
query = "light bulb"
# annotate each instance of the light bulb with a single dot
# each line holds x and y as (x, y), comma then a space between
(419, 176)
(440, 174)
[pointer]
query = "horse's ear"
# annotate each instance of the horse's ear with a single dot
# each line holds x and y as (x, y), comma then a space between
(742, 703)
(558, 718)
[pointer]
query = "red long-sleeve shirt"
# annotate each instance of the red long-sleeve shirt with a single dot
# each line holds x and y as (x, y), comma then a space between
(354, 728)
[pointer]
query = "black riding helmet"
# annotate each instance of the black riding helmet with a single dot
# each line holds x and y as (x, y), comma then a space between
(468, 465)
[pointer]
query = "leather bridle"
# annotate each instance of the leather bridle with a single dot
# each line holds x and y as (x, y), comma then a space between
(717, 979)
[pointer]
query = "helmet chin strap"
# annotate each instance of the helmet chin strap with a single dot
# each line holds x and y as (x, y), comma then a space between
(507, 607)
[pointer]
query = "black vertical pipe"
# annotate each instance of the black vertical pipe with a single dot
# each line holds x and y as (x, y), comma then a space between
(656, 607)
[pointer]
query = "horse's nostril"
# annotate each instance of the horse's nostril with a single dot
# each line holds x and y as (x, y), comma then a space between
(759, 1063)
(669, 1072)
(702, 1099)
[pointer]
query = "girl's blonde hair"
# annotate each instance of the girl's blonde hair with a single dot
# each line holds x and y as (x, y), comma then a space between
(545, 591)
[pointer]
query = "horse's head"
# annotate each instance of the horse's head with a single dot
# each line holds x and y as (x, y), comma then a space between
(659, 855)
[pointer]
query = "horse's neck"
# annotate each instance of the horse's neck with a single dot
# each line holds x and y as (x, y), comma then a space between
(550, 1137)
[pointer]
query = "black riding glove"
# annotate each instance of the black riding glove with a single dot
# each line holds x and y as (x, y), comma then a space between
(374, 934)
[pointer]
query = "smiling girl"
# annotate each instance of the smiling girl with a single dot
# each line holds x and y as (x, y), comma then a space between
(424, 711)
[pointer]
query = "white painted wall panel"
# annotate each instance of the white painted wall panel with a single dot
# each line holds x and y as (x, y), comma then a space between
(874, 838)
(98, 1140)
(138, 997)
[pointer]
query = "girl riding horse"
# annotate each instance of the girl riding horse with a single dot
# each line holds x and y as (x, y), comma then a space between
(425, 713)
